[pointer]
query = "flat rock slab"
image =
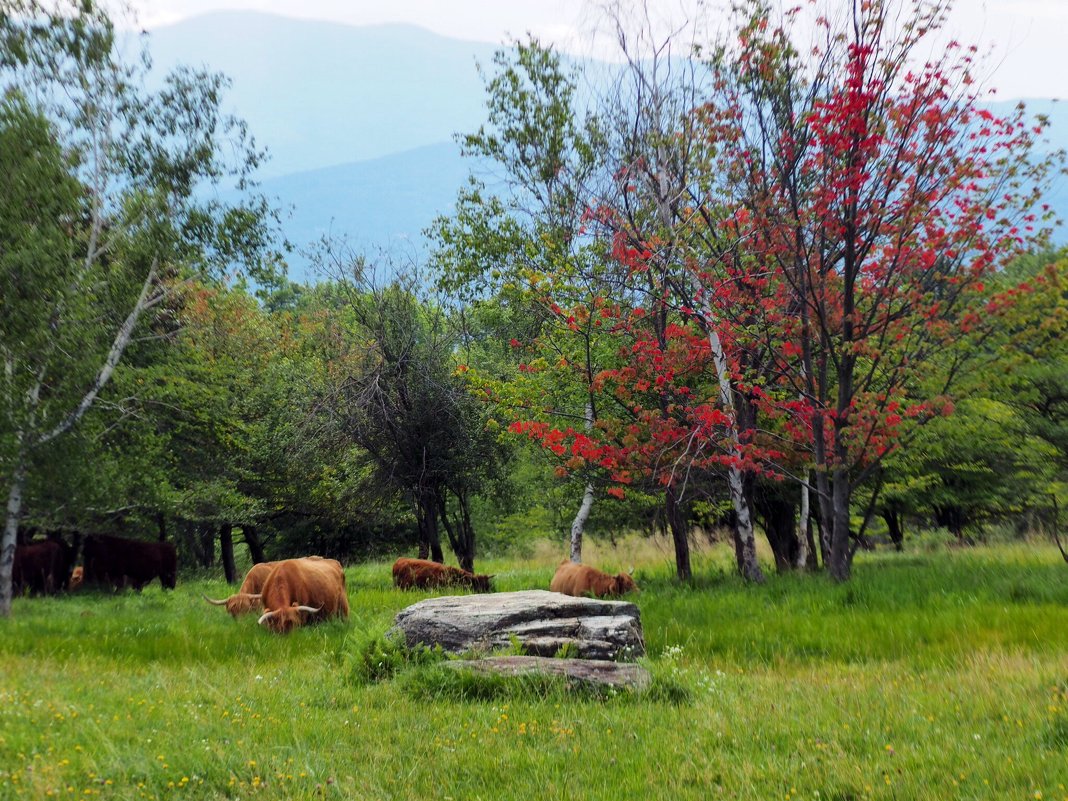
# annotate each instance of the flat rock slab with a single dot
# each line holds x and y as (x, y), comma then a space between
(625, 675)
(543, 622)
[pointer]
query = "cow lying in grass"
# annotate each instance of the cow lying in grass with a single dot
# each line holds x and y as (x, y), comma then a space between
(248, 596)
(576, 579)
(424, 574)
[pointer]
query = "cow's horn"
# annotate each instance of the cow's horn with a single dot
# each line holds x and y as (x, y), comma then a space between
(311, 609)
(213, 601)
(257, 596)
(631, 571)
(266, 616)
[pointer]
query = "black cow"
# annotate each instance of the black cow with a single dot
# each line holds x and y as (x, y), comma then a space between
(129, 563)
(41, 567)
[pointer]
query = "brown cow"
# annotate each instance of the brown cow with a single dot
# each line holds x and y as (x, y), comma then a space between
(303, 590)
(248, 596)
(77, 576)
(129, 563)
(40, 567)
(576, 579)
(422, 573)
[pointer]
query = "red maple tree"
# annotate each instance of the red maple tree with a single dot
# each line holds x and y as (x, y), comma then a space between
(831, 241)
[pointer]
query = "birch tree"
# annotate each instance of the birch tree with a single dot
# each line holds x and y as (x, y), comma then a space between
(101, 218)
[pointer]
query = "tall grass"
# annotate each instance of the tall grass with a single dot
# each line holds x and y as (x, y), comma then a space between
(929, 676)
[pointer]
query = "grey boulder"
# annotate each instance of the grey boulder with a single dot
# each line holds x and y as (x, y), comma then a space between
(597, 672)
(542, 622)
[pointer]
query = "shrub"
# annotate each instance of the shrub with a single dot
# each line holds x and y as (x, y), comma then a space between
(374, 656)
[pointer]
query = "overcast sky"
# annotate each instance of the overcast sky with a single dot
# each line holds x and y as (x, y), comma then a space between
(1027, 37)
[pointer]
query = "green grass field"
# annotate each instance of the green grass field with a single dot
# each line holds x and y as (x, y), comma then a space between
(931, 676)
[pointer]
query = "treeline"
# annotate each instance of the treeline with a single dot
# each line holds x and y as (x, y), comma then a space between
(341, 420)
(776, 291)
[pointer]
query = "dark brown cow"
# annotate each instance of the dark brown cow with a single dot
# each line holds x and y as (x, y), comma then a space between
(576, 579)
(422, 573)
(248, 596)
(302, 591)
(40, 567)
(129, 563)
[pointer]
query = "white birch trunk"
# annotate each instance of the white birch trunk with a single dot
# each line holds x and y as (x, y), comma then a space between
(578, 525)
(118, 347)
(11, 528)
(802, 528)
(750, 567)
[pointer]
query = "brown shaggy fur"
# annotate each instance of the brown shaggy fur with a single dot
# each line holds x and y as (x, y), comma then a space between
(122, 562)
(247, 597)
(576, 579)
(303, 582)
(256, 577)
(40, 567)
(409, 573)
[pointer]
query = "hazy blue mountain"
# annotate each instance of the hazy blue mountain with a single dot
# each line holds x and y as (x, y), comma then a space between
(359, 121)
(321, 93)
(379, 205)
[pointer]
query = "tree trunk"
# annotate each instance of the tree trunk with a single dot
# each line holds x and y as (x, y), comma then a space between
(824, 516)
(746, 540)
(205, 544)
(680, 534)
(840, 564)
(206, 532)
(578, 525)
(467, 535)
(1055, 530)
(118, 346)
(893, 527)
(426, 514)
(779, 519)
(804, 531)
(226, 549)
(255, 546)
(813, 561)
(456, 534)
(11, 528)
(747, 560)
(161, 524)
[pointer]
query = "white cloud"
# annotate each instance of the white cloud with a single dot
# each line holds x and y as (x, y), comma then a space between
(1025, 45)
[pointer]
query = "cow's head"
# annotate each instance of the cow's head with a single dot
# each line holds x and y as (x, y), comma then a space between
(284, 620)
(481, 583)
(239, 603)
(623, 584)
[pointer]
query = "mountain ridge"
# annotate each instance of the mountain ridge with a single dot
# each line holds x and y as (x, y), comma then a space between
(320, 94)
(360, 120)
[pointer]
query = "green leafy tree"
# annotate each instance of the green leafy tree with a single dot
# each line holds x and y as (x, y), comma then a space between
(981, 463)
(395, 393)
(102, 219)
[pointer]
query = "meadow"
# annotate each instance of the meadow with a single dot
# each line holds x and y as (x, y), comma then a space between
(933, 675)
